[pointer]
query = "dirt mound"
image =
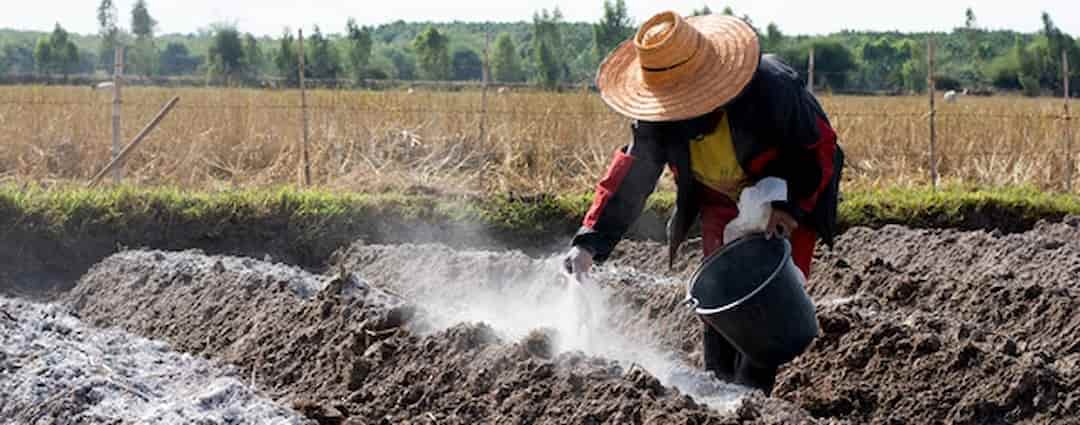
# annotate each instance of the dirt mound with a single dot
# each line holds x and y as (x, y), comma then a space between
(873, 365)
(56, 370)
(295, 332)
(1024, 285)
(338, 348)
(920, 325)
(465, 375)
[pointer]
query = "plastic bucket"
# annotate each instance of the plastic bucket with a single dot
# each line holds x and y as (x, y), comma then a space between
(753, 294)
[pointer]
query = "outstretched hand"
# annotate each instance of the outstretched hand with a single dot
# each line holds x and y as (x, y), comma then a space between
(578, 262)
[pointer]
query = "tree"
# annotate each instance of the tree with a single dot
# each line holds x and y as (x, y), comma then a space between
(466, 65)
(56, 53)
(142, 26)
(322, 58)
(253, 57)
(64, 52)
(701, 12)
(287, 59)
(913, 71)
(547, 43)
(433, 54)
(109, 32)
(882, 62)
(404, 64)
(144, 58)
(1046, 51)
(505, 63)
(19, 58)
(226, 52)
(612, 29)
(969, 19)
(728, 11)
(43, 60)
(176, 59)
(971, 33)
(833, 62)
(773, 38)
(359, 48)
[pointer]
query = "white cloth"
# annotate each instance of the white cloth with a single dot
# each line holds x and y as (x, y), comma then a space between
(755, 208)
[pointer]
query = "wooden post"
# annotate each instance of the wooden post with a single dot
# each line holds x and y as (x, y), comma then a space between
(119, 160)
(483, 90)
(933, 112)
(1070, 165)
(117, 106)
(810, 69)
(303, 107)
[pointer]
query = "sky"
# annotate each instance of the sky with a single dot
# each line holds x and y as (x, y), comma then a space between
(269, 17)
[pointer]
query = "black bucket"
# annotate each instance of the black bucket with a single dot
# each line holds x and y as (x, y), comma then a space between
(753, 294)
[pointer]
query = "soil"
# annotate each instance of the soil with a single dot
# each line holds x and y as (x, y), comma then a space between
(341, 349)
(923, 326)
(918, 326)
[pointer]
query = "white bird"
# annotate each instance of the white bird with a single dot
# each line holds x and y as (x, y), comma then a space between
(103, 86)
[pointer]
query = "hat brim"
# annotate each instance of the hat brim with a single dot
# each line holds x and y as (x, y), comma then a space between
(717, 77)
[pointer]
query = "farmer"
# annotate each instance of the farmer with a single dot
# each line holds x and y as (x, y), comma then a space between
(721, 116)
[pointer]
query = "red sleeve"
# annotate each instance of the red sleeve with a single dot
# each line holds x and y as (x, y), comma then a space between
(620, 198)
(824, 150)
(616, 173)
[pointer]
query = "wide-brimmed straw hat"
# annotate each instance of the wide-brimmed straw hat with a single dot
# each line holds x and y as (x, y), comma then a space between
(678, 68)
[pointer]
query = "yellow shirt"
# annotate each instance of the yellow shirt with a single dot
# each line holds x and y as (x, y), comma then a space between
(713, 161)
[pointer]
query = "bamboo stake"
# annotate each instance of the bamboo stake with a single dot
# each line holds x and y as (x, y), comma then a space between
(119, 160)
(933, 112)
(1069, 164)
(303, 107)
(483, 90)
(117, 107)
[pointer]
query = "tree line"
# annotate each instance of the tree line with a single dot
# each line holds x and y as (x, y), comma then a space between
(546, 51)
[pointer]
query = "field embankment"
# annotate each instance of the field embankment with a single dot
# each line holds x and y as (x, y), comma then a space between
(53, 236)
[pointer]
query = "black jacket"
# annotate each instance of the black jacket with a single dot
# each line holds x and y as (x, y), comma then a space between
(778, 128)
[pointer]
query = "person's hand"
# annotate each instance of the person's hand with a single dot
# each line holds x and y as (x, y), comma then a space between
(578, 262)
(781, 223)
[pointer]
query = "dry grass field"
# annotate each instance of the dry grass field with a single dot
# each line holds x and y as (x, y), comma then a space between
(531, 142)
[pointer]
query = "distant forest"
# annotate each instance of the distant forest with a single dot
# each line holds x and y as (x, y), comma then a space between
(546, 51)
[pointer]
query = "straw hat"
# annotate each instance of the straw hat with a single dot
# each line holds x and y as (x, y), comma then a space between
(675, 68)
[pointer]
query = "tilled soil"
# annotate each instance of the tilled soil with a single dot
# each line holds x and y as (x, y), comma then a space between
(925, 326)
(342, 349)
(919, 326)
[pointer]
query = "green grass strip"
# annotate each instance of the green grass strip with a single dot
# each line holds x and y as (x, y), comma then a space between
(132, 214)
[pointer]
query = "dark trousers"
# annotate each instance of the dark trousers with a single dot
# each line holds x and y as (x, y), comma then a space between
(728, 364)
